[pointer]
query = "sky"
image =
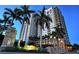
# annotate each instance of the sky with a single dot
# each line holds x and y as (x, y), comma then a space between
(70, 13)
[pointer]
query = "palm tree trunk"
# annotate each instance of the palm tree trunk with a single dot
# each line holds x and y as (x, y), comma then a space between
(21, 31)
(27, 34)
(40, 37)
(21, 34)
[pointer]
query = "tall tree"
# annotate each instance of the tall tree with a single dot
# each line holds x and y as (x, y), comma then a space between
(4, 23)
(25, 13)
(42, 19)
(13, 14)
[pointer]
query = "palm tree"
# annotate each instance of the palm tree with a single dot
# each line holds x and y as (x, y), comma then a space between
(42, 19)
(1, 27)
(23, 14)
(7, 21)
(4, 23)
(13, 14)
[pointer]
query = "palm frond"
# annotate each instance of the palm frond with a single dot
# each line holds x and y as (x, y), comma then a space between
(48, 18)
(36, 15)
(25, 7)
(9, 10)
(17, 11)
(26, 19)
(31, 11)
(19, 19)
(1, 21)
(7, 13)
(43, 10)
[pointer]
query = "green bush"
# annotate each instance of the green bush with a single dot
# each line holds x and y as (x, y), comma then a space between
(22, 43)
(1, 39)
(16, 43)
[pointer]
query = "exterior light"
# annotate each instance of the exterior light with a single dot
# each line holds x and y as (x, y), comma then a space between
(54, 37)
(49, 42)
(69, 47)
(30, 47)
(50, 36)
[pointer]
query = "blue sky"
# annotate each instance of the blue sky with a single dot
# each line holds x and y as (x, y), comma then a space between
(70, 13)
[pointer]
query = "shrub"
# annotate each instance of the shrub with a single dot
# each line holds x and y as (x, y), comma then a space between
(22, 43)
(15, 43)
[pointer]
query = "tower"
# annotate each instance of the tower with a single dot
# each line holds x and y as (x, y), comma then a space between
(58, 22)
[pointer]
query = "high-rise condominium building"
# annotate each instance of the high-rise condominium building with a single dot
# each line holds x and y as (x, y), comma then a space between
(57, 21)
(61, 23)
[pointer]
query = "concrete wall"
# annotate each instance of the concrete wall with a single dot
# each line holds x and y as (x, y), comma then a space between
(9, 38)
